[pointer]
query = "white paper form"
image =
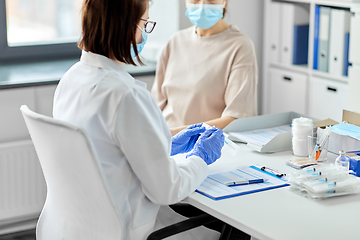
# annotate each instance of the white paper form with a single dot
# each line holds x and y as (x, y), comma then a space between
(260, 137)
(233, 176)
(216, 190)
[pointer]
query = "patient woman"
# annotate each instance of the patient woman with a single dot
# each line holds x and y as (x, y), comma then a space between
(208, 72)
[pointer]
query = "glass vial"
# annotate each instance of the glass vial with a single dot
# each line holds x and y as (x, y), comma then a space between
(342, 161)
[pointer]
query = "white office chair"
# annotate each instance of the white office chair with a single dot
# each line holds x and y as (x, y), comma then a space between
(78, 205)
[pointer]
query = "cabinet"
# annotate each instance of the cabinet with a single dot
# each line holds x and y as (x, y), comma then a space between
(311, 90)
(324, 93)
(44, 96)
(12, 125)
(287, 91)
(38, 99)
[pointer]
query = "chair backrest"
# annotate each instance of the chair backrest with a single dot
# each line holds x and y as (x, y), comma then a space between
(78, 205)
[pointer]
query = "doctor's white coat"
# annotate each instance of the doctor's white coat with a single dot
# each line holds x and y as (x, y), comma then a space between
(131, 139)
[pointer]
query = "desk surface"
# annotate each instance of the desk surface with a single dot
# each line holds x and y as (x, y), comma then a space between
(280, 214)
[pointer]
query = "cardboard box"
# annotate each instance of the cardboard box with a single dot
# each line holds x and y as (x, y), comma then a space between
(339, 142)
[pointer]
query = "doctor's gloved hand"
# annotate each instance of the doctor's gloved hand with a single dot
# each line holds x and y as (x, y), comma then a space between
(209, 145)
(185, 140)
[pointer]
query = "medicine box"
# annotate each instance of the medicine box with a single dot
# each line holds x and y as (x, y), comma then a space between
(339, 142)
(354, 162)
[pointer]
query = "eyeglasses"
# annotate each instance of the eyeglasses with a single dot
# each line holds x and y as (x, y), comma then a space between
(149, 25)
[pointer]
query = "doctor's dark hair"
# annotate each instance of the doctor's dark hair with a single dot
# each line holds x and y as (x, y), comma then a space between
(109, 27)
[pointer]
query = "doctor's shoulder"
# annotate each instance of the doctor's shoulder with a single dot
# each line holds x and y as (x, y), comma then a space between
(72, 69)
(125, 85)
(136, 98)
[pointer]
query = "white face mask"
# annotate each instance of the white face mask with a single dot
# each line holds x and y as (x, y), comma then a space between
(140, 46)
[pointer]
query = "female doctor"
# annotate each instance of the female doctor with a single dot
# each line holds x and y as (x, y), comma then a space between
(129, 133)
(208, 72)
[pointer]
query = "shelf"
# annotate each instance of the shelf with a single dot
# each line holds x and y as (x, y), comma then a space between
(294, 1)
(337, 3)
(334, 3)
(272, 56)
(295, 68)
(329, 76)
(305, 69)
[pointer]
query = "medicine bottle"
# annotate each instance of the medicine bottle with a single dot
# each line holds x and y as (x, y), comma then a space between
(301, 128)
(342, 161)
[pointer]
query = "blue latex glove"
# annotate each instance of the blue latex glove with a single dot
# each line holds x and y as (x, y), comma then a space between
(185, 140)
(209, 145)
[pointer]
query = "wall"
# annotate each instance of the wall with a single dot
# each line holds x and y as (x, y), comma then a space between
(248, 16)
(166, 15)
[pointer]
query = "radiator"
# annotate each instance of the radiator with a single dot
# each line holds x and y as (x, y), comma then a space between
(22, 184)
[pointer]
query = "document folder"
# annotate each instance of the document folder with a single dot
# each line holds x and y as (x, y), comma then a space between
(280, 142)
(301, 45)
(316, 37)
(324, 34)
(339, 27)
(291, 14)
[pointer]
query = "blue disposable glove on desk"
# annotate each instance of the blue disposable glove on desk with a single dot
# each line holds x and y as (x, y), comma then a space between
(185, 140)
(209, 145)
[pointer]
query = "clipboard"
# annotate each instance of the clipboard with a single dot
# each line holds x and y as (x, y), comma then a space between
(217, 190)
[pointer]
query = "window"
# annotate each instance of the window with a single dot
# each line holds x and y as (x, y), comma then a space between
(39, 28)
(43, 29)
(39, 22)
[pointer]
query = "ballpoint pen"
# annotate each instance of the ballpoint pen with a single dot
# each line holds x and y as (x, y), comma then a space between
(245, 182)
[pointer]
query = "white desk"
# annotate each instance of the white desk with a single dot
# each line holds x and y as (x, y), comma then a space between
(280, 214)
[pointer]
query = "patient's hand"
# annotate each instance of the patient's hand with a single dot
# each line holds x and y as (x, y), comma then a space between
(174, 131)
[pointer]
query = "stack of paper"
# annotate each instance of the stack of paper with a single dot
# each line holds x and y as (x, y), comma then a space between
(264, 133)
(259, 137)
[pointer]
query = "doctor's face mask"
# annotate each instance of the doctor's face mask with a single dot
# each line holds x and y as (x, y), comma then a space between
(140, 46)
(204, 16)
(147, 29)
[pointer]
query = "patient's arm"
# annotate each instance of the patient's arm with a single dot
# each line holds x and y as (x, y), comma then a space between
(218, 122)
